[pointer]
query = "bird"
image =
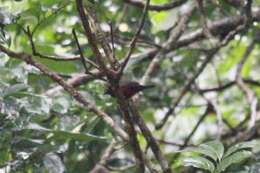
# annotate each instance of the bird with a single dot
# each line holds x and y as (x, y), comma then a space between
(128, 89)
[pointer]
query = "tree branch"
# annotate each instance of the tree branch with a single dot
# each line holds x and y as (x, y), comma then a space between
(134, 40)
(163, 7)
(73, 92)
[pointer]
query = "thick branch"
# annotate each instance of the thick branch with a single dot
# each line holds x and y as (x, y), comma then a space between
(150, 140)
(123, 106)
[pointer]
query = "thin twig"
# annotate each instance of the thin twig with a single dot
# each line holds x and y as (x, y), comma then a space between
(212, 107)
(201, 119)
(29, 34)
(228, 85)
(133, 42)
(83, 60)
(251, 99)
(167, 6)
(55, 12)
(203, 19)
(112, 40)
(100, 166)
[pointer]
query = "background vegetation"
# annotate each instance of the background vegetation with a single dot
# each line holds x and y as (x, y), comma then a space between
(57, 58)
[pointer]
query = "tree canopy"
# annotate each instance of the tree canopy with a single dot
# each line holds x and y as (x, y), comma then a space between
(200, 60)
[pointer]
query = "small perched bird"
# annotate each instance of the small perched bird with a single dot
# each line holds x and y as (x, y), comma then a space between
(128, 89)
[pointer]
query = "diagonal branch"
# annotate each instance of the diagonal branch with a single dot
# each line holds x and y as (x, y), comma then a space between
(100, 166)
(150, 139)
(186, 87)
(92, 39)
(201, 119)
(175, 35)
(73, 92)
(129, 123)
(83, 60)
(251, 99)
(134, 40)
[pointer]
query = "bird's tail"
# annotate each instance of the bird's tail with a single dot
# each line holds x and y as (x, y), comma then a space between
(147, 86)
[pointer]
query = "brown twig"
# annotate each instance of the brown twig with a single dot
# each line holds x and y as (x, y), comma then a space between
(228, 85)
(100, 166)
(112, 40)
(212, 107)
(162, 141)
(29, 34)
(83, 60)
(201, 119)
(203, 19)
(163, 7)
(251, 99)
(134, 39)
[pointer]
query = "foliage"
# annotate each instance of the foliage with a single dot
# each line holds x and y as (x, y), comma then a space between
(190, 53)
(214, 159)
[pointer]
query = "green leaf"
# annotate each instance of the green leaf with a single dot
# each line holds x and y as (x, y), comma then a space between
(214, 150)
(35, 104)
(247, 66)
(11, 90)
(240, 146)
(91, 123)
(61, 104)
(231, 59)
(160, 20)
(58, 66)
(234, 158)
(200, 162)
(61, 134)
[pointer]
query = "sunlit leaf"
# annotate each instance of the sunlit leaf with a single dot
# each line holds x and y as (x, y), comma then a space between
(240, 146)
(200, 162)
(233, 158)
